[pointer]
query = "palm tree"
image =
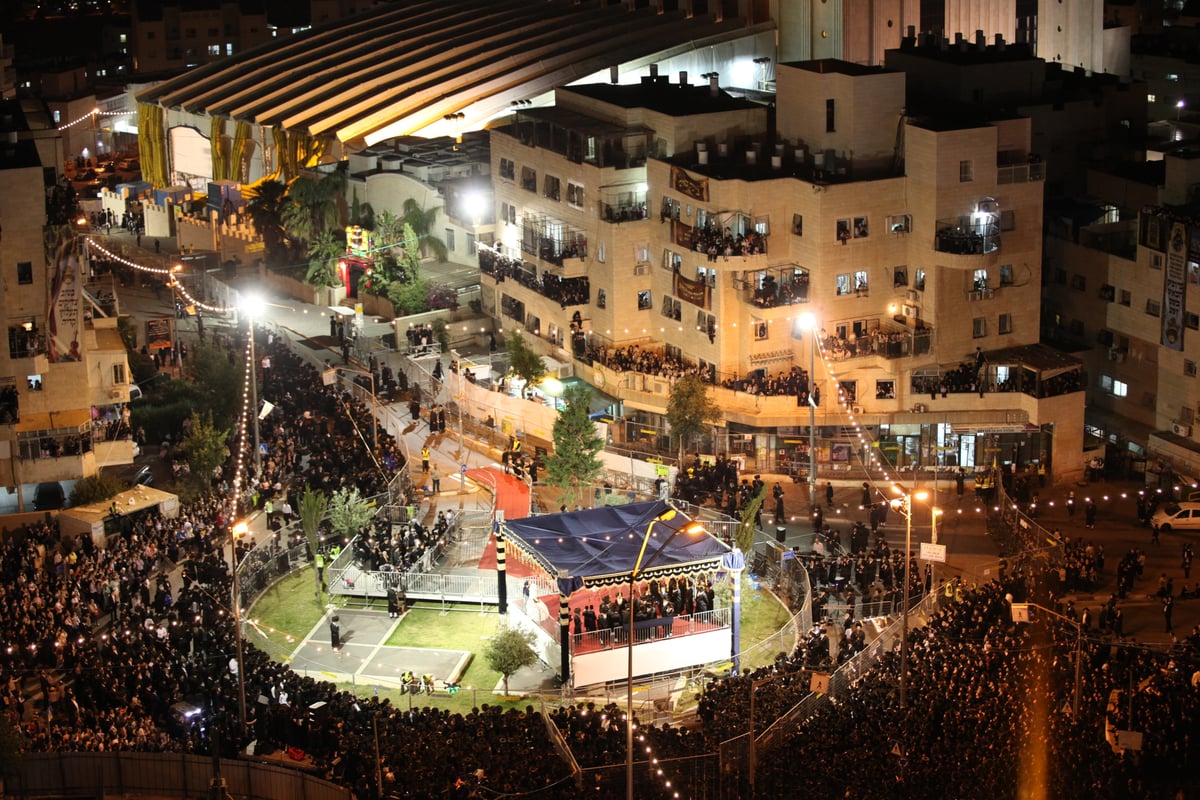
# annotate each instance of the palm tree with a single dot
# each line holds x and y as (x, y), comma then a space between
(323, 255)
(265, 202)
(422, 221)
(316, 205)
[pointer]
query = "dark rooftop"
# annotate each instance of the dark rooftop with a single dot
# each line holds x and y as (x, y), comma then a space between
(836, 66)
(659, 94)
(969, 54)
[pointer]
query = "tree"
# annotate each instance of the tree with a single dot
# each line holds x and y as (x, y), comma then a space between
(265, 202)
(314, 207)
(523, 361)
(689, 409)
(348, 512)
(96, 489)
(422, 221)
(407, 296)
(323, 253)
(508, 651)
(205, 447)
(576, 443)
(313, 505)
(212, 375)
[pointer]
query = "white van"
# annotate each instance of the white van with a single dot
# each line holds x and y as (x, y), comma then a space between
(1177, 516)
(135, 392)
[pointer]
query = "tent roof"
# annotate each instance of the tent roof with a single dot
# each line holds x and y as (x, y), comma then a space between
(599, 546)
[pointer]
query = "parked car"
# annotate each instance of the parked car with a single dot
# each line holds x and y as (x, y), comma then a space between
(49, 496)
(1177, 516)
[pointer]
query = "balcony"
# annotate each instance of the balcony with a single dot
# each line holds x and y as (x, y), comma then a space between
(551, 241)
(975, 295)
(774, 287)
(890, 342)
(968, 235)
(624, 211)
(1021, 173)
(564, 291)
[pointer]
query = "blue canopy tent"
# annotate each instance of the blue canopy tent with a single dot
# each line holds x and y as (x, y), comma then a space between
(599, 547)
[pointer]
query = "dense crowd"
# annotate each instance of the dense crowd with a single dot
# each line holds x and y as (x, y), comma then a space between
(564, 291)
(716, 243)
(986, 694)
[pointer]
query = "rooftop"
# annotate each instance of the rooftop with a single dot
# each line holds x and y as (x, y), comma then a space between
(659, 94)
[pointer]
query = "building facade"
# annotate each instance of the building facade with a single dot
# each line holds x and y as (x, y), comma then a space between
(646, 231)
(64, 376)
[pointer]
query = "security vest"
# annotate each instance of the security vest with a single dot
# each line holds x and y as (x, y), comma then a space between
(425, 453)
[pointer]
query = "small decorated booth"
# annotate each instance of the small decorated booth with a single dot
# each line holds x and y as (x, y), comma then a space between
(590, 556)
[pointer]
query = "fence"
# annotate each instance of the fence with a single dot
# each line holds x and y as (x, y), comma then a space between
(164, 775)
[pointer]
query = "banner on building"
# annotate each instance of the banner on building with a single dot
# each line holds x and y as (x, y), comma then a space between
(694, 292)
(686, 185)
(1175, 287)
(65, 315)
(159, 333)
(682, 234)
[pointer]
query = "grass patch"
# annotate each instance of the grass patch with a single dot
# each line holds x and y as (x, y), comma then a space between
(285, 613)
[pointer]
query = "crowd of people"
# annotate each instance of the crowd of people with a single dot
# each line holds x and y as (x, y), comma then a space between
(564, 291)
(717, 243)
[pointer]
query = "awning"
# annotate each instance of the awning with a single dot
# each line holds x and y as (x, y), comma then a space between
(53, 420)
(599, 546)
(342, 311)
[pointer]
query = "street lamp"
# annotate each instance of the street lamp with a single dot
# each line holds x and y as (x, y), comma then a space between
(807, 321)
(903, 504)
(690, 528)
(239, 529)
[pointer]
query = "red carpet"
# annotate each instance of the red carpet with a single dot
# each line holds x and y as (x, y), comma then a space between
(512, 497)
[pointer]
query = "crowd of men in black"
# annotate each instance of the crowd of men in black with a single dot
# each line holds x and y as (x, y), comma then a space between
(716, 243)
(654, 610)
(389, 547)
(564, 291)
(975, 679)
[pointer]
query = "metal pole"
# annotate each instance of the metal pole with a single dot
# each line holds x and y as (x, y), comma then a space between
(237, 636)
(904, 618)
(753, 749)
(812, 420)
(374, 412)
(1078, 664)
(254, 401)
(629, 687)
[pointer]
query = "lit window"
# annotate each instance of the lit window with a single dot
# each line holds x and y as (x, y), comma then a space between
(1151, 98)
(1120, 389)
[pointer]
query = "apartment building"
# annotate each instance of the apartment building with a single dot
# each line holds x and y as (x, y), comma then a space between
(650, 229)
(171, 36)
(64, 373)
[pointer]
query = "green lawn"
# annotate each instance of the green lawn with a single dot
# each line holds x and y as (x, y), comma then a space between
(286, 613)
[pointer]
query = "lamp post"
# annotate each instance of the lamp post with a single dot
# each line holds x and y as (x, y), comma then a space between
(239, 529)
(808, 322)
(374, 398)
(690, 528)
(903, 504)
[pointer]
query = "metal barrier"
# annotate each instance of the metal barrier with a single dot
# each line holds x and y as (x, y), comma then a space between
(166, 775)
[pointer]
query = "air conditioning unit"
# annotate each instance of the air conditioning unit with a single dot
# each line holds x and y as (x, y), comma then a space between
(114, 393)
(856, 409)
(1117, 355)
(912, 295)
(919, 408)
(1179, 429)
(641, 269)
(566, 371)
(910, 310)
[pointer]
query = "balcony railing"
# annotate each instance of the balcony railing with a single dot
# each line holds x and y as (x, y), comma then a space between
(966, 236)
(774, 289)
(883, 342)
(1021, 173)
(564, 291)
(624, 211)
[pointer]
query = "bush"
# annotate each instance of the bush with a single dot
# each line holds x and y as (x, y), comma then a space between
(96, 489)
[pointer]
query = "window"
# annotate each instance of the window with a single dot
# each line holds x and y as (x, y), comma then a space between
(1078, 283)
(1126, 298)
(1192, 320)
(214, 49)
(1005, 323)
(885, 390)
(707, 323)
(848, 391)
(1189, 369)
(845, 284)
(899, 223)
(899, 277)
(644, 300)
(919, 279)
(797, 224)
(508, 213)
(471, 248)
(1008, 220)
(529, 179)
(672, 261)
(229, 48)
(1171, 76)
(830, 116)
(450, 239)
(861, 285)
(979, 281)
(672, 308)
(1156, 261)
(979, 327)
(1006, 275)
(601, 298)
(966, 172)
(760, 330)
(57, 116)
(1151, 98)
(1120, 388)
(1060, 277)
(641, 253)
(508, 169)
(551, 187)
(600, 252)
(24, 272)
(860, 228)
(1154, 308)
(843, 230)
(1108, 292)
(575, 194)
(118, 375)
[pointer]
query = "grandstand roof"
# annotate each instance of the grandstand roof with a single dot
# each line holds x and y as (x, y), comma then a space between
(401, 67)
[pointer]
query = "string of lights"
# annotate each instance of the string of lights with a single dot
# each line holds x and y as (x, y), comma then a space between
(239, 473)
(95, 112)
(172, 280)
